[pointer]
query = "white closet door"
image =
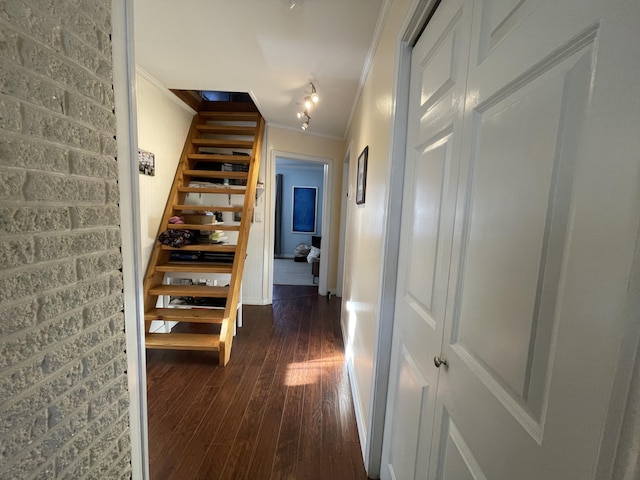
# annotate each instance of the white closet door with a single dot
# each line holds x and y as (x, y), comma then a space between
(535, 274)
(433, 152)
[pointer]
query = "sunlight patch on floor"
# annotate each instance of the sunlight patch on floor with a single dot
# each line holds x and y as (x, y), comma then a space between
(306, 373)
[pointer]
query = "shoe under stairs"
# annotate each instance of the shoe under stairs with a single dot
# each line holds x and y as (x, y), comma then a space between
(217, 175)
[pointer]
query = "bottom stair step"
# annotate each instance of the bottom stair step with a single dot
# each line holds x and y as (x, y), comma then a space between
(193, 315)
(183, 341)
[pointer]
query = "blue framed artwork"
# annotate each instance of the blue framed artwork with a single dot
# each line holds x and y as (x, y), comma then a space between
(303, 218)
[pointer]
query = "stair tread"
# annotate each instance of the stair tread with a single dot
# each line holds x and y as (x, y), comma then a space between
(190, 291)
(208, 208)
(183, 341)
(216, 174)
(195, 267)
(193, 315)
(229, 116)
(210, 247)
(210, 226)
(221, 142)
(219, 158)
(227, 129)
(224, 190)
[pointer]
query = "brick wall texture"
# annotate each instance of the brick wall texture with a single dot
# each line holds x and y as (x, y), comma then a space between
(63, 386)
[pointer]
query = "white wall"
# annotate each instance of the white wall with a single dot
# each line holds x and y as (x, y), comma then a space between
(253, 277)
(371, 126)
(163, 124)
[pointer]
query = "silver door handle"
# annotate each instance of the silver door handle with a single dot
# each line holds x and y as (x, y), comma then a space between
(440, 361)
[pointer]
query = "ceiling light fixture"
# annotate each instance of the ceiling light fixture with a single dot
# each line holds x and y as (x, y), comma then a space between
(305, 124)
(314, 95)
(309, 101)
(291, 4)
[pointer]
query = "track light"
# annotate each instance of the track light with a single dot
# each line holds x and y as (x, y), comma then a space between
(291, 4)
(309, 102)
(305, 124)
(312, 99)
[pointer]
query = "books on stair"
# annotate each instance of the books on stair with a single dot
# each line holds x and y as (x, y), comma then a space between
(218, 236)
(213, 257)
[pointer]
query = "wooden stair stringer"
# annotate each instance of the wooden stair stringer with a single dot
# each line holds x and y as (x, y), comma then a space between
(229, 319)
(158, 255)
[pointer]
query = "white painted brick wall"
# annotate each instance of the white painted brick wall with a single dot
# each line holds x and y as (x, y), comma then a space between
(63, 386)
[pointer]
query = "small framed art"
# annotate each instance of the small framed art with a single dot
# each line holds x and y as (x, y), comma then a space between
(361, 185)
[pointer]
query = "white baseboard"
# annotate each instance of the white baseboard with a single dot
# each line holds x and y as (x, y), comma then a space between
(357, 406)
(255, 301)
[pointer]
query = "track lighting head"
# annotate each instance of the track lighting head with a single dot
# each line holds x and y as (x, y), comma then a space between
(305, 124)
(309, 101)
(292, 4)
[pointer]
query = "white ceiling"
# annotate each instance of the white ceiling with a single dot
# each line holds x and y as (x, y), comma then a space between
(264, 48)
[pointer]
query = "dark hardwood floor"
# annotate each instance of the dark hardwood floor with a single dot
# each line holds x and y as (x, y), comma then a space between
(281, 409)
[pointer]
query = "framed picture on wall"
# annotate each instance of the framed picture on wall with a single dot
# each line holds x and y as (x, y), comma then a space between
(146, 163)
(303, 217)
(361, 185)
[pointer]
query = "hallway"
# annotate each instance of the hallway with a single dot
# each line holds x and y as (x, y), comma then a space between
(282, 408)
(288, 272)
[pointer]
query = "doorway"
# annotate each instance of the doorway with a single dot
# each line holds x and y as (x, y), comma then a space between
(303, 163)
(298, 219)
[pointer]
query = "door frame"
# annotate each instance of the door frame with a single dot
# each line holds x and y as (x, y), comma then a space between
(344, 192)
(415, 21)
(124, 78)
(323, 286)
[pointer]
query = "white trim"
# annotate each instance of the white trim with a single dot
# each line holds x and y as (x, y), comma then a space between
(362, 426)
(125, 103)
(355, 395)
(416, 17)
(255, 301)
(304, 132)
(267, 246)
(342, 232)
(294, 164)
(366, 68)
(326, 215)
(165, 91)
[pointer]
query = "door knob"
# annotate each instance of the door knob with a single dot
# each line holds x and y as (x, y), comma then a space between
(440, 361)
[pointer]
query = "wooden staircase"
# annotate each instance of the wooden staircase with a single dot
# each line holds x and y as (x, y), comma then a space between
(217, 173)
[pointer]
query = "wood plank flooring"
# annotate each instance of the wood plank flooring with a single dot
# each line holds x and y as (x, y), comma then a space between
(281, 409)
